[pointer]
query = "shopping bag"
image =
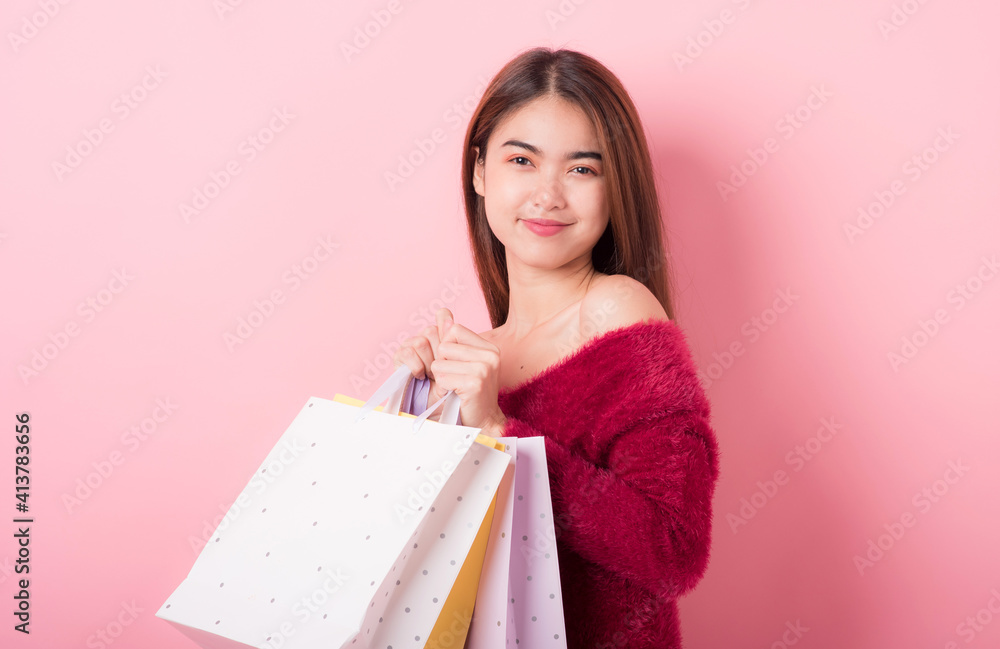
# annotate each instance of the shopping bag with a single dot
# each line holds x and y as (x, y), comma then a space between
(453, 622)
(332, 527)
(408, 610)
(534, 567)
(520, 598)
(491, 618)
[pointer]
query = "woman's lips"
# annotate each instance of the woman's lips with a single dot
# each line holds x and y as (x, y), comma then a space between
(544, 227)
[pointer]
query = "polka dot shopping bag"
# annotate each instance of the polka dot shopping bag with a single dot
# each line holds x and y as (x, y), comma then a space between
(355, 539)
(519, 601)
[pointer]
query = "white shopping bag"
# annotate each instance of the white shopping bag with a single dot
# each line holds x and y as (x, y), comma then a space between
(491, 618)
(323, 553)
(535, 590)
(519, 603)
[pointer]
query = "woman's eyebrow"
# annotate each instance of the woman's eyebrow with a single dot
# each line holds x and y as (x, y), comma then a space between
(574, 155)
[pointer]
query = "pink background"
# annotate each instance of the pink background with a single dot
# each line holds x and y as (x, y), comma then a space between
(868, 101)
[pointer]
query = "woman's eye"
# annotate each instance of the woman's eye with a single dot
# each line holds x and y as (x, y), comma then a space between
(587, 170)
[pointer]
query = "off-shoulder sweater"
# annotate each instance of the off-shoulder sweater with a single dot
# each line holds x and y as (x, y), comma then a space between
(633, 463)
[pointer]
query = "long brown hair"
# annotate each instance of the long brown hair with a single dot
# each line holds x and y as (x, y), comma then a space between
(633, 243)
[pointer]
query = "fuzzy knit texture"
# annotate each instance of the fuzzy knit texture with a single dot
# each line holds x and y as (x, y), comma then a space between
(633, 464)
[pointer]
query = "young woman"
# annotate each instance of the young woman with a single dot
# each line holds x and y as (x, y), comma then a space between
(566, 234)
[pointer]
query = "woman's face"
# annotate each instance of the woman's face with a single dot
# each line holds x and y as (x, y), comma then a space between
(543, 164)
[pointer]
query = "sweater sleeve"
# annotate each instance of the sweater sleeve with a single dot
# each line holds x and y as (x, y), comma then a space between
(645, 513)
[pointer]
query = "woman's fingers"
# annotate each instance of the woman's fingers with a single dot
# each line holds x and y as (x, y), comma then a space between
(408, 356)
(452, 354)
(459, 337)
(435, 393)
(445, 320)
(462, 334)
(418, 354)
(453, 373)
(429, 346)
(454, 351)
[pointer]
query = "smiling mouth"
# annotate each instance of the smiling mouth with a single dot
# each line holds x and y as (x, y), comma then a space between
(545, 227)
(544, 222)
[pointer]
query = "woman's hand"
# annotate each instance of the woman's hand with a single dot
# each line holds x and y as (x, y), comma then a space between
(417, 353)
(466, 363)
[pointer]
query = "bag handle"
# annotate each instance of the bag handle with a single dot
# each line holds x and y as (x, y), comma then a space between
(449, 414)
(393, 389)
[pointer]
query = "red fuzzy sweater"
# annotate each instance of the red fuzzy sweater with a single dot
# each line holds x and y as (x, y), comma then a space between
(633, 464)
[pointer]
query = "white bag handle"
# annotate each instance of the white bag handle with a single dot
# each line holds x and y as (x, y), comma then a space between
(393, 390)
(449, 414)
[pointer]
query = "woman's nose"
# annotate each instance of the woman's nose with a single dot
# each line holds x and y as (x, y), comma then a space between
(549, 193)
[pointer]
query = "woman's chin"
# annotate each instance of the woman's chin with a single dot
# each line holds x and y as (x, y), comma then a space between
(541, 260)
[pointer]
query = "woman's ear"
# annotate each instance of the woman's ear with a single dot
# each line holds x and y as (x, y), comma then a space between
(478, 177)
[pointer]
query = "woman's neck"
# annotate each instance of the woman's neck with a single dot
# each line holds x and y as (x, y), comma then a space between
(537, 295)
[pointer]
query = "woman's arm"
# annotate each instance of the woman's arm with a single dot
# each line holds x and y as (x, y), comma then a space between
(647, 515)
(637, 499)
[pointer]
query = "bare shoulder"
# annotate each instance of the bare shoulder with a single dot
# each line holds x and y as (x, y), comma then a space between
(615, 301)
